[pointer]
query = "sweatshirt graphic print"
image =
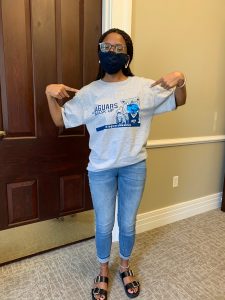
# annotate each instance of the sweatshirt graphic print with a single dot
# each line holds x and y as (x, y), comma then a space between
(124, 114)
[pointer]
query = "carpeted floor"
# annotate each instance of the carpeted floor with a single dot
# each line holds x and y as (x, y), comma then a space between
(184, 260)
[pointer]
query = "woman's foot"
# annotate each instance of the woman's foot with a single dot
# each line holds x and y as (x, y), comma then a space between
(101, 283)
(132, 287)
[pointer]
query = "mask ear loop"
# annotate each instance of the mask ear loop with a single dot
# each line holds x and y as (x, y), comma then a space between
(127, 64)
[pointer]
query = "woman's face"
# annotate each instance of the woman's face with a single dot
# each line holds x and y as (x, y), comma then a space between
(113, 55)
(115, 39)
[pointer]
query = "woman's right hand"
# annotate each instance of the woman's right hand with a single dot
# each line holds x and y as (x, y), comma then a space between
(59, 91)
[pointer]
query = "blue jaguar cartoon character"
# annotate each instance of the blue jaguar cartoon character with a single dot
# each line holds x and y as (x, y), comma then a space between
(128, 114)
(133, 113)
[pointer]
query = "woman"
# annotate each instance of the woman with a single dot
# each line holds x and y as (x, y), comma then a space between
(117, 109)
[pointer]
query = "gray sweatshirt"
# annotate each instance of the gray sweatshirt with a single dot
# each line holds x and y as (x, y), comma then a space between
(118, 118)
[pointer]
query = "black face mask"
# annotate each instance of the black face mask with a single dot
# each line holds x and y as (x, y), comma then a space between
(112, 62)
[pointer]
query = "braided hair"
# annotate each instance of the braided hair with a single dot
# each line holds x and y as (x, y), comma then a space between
(129, 45)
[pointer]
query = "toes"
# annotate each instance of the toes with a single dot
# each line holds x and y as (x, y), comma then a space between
(133, 290)
(98, 297)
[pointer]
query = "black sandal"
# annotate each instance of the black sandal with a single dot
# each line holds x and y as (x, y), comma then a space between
(97, 291)
(130, 285)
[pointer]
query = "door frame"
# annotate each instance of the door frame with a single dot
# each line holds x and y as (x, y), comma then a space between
(116, 14)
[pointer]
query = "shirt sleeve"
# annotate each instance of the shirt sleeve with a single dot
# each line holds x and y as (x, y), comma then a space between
(164, 100)
(73, 112)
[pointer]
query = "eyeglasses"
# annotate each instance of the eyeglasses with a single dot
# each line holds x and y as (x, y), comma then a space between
(117, 48)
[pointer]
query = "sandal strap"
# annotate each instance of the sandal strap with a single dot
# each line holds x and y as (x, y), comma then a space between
(101, 279)
(133, 284)
(126, 274)
(97, 291)
(122, 267)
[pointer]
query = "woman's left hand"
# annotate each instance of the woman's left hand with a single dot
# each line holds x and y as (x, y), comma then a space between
(174, 79)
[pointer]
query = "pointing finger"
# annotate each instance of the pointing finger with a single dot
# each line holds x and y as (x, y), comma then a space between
(70, 89)
(157, 82)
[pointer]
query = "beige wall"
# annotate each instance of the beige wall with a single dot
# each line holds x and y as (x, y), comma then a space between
(200, 169)
(185, 35)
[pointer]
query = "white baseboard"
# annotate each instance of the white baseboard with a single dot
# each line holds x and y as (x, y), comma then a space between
(173, 213)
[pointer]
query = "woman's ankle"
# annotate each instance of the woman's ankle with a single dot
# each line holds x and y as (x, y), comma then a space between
(124, 265)
(104, 269)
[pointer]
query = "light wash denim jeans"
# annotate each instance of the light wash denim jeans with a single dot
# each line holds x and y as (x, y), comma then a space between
(128, 182)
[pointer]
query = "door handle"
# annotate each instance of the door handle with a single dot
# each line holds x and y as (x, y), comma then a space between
(2, 134)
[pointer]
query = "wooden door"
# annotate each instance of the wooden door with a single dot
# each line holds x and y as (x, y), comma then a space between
(43, 168)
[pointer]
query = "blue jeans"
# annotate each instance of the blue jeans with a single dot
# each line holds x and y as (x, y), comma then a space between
(128, 182)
